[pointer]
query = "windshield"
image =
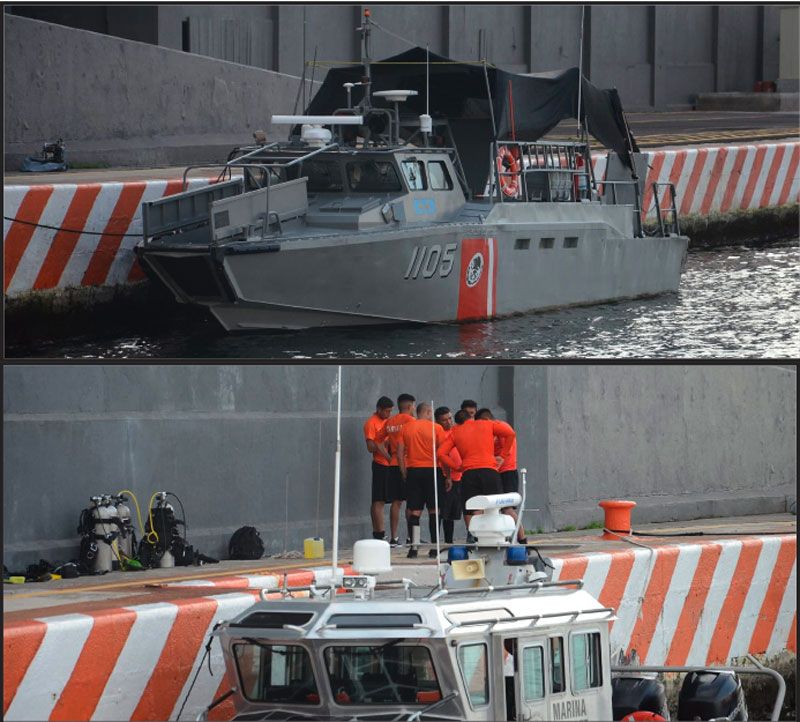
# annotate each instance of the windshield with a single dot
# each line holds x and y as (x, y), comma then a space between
(372, 176)
(323, 175)
(388, 674)
(276, 673)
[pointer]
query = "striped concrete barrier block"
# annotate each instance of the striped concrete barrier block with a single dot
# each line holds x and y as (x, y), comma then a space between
(696, 603)
(724, 179)
(101, 223)
(682, 604)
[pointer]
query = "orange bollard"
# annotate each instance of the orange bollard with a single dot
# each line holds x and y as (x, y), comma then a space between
(618, 516)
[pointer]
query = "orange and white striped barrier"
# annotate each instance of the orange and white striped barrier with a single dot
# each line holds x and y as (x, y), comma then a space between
(696, 603)
(682, 604)
(301, 578)
(100, 225)
(108, 215)
(725, 179)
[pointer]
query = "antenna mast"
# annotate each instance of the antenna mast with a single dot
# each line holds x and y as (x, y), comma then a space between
(580, 74)
(336, 479)
(365, 59)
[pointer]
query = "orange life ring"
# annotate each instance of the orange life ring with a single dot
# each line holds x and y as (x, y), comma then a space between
(642, 715)
(508, 171)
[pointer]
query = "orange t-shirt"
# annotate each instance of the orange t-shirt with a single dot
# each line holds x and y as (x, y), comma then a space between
(475, 442)
(372, 427)
(510, 463)
(454, 460)
(418, 442)
(392, 430)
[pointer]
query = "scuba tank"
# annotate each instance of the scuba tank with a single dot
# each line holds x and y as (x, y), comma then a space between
(127, 540)
(162, 541)
(98, 533)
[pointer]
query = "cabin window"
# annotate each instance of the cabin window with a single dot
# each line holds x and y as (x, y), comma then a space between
(522, 244)
(276, 673)
(557, 664)
(323, 175)
(533, 673)
(414, 173)
(585, 651)
(389, 674)
(474, 664)
(438, 176)
(546, 242)
(571, 242)
(372, 176)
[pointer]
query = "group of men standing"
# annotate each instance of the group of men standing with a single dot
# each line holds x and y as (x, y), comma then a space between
(468, 453)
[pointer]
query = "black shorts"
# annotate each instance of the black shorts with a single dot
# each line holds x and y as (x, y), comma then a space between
(452, 506)
(395, 484)
(477, 482)
(419, 486)
(380, 482)
(510, 481)
(387, 483)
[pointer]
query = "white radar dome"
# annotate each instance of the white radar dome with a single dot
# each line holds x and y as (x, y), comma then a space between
(372, 556)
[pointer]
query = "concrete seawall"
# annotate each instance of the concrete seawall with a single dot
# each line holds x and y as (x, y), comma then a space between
(707, 181)
(250, 444)
(676, 604)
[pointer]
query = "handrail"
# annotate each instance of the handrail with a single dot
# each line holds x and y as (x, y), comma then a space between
(760, 669)
(494, 621)
(531, 586)
(672, 210)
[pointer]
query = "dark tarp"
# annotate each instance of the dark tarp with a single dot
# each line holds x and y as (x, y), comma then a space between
(458, 92)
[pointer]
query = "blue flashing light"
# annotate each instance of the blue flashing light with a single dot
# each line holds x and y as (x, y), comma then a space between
(517, 555)
(457, 554)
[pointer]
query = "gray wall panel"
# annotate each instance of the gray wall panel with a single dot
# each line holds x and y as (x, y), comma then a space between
(255, 444)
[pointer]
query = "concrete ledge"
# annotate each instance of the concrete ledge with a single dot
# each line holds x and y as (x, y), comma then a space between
(676, 604)
(750, 102)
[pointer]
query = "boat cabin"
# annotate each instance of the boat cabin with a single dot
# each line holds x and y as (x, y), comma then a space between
(537, 651)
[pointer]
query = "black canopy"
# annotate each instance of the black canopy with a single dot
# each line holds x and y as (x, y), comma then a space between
(458, 92)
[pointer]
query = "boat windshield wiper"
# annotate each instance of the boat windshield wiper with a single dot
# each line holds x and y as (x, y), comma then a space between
(264, 645)
(415, 716)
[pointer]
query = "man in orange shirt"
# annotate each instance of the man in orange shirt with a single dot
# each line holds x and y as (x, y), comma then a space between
(380, 463)
(390, 436)
(451, 506)
(475, 443)
(507, 468)
(417, 464)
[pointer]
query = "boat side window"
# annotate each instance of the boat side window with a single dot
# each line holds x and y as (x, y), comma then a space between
(439, 177)
(323, 175)
(474, 665)
(414, 172)
(533, 676)
(557, 664)
(373, 176)
(387, 674)
(280, 673)
(586, 656)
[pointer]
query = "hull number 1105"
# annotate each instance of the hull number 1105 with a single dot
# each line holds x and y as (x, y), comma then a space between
(430, 260)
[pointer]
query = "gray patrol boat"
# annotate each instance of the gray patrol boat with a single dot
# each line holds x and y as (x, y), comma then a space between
(431, 199)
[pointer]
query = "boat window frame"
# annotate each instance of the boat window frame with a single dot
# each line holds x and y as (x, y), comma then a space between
(407, 642)
(588, 690)
(276, 643)
(448, 178)
(475, 643)
(420, 169)
(536, 643)
(565, 675)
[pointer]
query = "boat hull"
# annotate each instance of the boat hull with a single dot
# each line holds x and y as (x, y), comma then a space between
(443, 273)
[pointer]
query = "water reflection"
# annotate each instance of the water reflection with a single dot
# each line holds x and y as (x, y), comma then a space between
(733, 303)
